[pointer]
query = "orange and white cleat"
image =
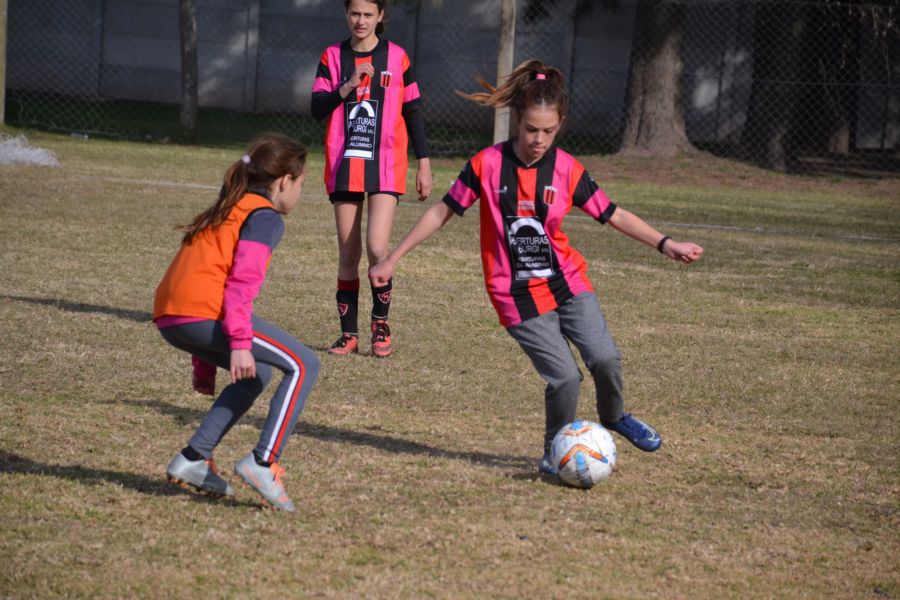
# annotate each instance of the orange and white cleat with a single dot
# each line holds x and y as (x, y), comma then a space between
(381, 338)
(346, 344)
(266, 480)
(202, 475)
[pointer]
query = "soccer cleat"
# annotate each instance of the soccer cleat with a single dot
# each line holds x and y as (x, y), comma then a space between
(345, 345)
(637, 432)
(266, 480)
(381, 338)
(205, 385)
(199, 474)
(545, 466)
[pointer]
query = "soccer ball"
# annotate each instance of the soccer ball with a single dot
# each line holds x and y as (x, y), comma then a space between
(583, 453)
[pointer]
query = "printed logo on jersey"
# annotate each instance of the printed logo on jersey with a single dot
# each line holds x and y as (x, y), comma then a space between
(343, 307)
(526, 208)
(529, 248)
(549, 195)
(362, 129)
(385, 297)
(385, 79)
(501, 190)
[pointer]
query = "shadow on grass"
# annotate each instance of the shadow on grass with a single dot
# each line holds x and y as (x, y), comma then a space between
(15, 464)
(379, 441)
(132, 315)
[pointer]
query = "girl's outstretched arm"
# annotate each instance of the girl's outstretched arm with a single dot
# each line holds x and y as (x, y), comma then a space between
(432, 220)
(635, 227)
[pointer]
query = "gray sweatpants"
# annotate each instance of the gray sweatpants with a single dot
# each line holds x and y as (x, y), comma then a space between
(544, 340)
(272, 348)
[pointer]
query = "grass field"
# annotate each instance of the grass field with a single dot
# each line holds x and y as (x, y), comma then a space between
(770, 367)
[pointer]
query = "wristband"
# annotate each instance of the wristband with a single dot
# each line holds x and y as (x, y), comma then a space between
(662, 243)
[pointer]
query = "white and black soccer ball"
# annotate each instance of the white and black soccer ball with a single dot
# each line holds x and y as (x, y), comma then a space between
(584, 454)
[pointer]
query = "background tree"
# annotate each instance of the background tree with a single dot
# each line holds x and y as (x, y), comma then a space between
(777, 40)
(654, 116)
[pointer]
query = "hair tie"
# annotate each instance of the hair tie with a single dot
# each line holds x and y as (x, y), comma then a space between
(245, 159)
(540, 76)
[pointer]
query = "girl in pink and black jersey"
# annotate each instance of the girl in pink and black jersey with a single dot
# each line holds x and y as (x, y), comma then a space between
(366, 88)
(204, 306)
(537, 282)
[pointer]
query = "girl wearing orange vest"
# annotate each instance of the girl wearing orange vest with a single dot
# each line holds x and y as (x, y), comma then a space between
(204, 306)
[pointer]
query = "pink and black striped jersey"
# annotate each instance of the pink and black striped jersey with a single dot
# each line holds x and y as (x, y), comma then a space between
(366, 137)
(529, 266)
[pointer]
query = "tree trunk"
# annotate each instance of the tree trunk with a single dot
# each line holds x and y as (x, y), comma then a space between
(777, 36)
(188, 28)
(827, 125)
(654, 116)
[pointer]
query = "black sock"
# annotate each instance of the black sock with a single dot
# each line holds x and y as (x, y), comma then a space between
(381, 300)
(191, 454)
(347, 297)
(259, 461)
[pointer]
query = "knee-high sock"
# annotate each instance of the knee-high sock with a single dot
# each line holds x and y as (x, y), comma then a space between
(347, 297)
(381, 300)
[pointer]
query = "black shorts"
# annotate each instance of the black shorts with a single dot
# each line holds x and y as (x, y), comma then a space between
(357, 196)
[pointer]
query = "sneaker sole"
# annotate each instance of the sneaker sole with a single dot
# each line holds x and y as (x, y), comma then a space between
(383, 351)
(333, 353)
(185, 485)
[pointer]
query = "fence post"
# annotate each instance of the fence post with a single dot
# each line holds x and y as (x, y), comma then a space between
(2, 62)
(189, 102)
(251, 56)
(505, 63)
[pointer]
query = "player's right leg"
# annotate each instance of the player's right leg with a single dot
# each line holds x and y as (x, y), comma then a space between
(348, 222)
(540, 338)
(276, 349)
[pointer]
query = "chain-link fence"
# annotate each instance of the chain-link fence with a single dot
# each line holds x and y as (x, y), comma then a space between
(780, 82)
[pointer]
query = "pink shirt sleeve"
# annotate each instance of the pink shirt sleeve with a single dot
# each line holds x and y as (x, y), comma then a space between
(248, 271)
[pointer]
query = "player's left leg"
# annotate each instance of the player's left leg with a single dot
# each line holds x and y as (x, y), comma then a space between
(582, 321)
(382, 208)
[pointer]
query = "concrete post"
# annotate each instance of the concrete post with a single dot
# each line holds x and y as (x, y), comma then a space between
(505, 64)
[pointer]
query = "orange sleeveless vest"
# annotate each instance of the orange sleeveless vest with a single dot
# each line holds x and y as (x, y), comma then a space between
(194, 285)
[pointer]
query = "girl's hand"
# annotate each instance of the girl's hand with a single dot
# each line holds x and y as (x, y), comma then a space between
(381, 273)
(361, 72)
(424, 183)
(243, 365)
(686, 252)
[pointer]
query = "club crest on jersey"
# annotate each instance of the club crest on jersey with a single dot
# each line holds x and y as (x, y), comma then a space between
(343, 307)
(549, 195)
(385, 297)
(385, 79)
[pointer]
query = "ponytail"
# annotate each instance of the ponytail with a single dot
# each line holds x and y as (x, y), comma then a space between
(532, 83)
(271, 157)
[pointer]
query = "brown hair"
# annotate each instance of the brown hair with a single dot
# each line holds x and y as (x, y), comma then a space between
(532, 83)
(271, 156)
(382, 8)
